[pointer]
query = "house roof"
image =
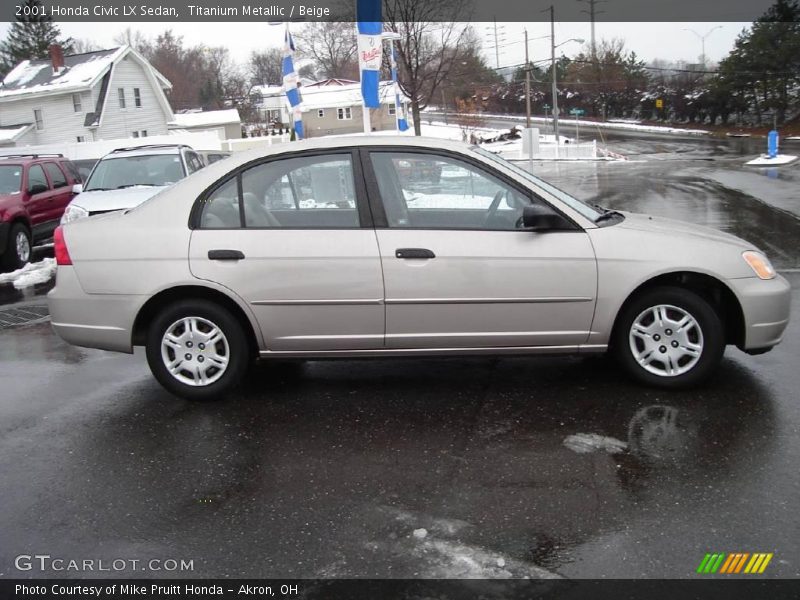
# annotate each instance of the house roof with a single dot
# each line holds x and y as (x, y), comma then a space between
(81, 72)
(337, 96)
(206, 118)
(11, 133)
(333, 81)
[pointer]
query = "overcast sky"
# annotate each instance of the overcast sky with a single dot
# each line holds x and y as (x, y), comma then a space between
(669, 41)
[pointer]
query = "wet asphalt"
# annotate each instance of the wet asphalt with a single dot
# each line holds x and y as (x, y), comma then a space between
(424, 468)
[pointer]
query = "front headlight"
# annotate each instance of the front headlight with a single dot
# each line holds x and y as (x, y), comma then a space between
(759, 263)
(73, 213)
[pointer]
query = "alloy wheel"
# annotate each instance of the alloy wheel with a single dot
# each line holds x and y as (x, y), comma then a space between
(23, 247)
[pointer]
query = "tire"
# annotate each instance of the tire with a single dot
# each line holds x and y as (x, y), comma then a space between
(200, 371)
(18, 248)
(669, 337)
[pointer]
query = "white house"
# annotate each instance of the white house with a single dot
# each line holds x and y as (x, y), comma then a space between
(100, 95)
(227, 123)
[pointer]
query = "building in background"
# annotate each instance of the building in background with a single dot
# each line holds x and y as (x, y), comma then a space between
(227, 124)
(107, 94)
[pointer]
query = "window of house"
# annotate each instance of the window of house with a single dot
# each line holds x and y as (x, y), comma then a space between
(144, 132)
(344, 113)
(137, 98)
(121, 96)
(392, 109)
(136, 134)
(37, 117)
(57, 177)
(321, 113)
(76, 103)
(81, 138)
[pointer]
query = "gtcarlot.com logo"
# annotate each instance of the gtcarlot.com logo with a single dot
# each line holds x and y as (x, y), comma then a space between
(45, 562)
(735, 563)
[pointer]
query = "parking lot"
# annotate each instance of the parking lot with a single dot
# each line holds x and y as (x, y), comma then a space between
(523, 467)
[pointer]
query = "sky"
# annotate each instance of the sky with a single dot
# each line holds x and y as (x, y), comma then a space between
(669, 41)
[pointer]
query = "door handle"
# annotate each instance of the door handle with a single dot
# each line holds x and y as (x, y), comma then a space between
(225, 255)
(411, 253)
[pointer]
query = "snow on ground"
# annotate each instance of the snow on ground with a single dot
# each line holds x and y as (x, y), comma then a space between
(584, 443)
(30, 274)
(766, 161)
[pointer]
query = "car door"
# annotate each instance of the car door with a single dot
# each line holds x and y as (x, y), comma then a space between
(459, 272)
(39, 199)
(61, 191)
(292, 236)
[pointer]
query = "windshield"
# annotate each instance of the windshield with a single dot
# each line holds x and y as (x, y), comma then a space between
(587, 211)
(128, 171)
(10, 176)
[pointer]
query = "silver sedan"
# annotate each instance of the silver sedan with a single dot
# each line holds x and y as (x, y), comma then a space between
(374, 247)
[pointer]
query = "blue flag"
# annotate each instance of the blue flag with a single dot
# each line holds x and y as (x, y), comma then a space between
(370, 28)
(290, 87)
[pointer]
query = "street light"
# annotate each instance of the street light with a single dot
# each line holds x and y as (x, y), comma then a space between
(703, 42)
(553, 47)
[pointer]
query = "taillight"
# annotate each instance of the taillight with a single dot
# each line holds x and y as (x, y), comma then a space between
(60, 247)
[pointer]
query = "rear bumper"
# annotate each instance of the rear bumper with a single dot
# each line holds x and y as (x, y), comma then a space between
(766, 308)
(103, 321)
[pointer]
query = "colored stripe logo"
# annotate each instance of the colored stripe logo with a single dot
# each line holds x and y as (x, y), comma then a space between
(735, 563)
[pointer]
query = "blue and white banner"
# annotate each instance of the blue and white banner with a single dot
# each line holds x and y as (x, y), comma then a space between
(399, 110)
(290, 86)
(370, 28)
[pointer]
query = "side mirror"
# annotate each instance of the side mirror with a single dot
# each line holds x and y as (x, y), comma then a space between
(77, 188)
(535, 218)
(37, 188)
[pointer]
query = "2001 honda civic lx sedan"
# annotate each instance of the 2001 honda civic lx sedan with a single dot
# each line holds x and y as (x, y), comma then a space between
(369, 247)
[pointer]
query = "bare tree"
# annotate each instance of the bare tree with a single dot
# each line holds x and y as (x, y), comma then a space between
(265, 67)
(430, 44)
(83, 45)
(331, 47)
(134, 39)
(468, 118)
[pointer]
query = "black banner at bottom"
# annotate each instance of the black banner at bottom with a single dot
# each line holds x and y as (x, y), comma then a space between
(401, 589)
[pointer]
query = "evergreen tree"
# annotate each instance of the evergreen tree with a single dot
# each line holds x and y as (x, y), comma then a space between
(30, 37)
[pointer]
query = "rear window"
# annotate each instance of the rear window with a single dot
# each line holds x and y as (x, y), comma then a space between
(10, 178)
(130, 171)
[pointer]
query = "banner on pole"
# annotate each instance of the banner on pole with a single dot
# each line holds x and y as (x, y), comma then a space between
(399, 107)
(370, 28)
(290, 84)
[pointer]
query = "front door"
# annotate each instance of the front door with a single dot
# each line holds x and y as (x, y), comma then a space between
(286, 235)
(459, 272)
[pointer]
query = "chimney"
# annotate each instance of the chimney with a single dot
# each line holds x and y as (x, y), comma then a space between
(57, 58)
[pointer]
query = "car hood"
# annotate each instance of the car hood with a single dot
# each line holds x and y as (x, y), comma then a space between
(673, 227)
(104, 200)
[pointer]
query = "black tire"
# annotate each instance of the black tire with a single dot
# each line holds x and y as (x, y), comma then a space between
(11, 258)
(710, 327)
(237, 351)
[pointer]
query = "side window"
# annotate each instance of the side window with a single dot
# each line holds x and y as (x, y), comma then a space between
(221, 208)
(294, 193)
(74, 172)
(428, 191)
(37, 182)
(57, 177)
(193, 162)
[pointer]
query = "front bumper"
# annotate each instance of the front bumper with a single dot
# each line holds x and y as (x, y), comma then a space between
(103, 321)
(766, 308)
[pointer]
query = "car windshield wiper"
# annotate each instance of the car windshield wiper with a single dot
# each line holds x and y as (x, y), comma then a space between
(608, 215)
(129, 185)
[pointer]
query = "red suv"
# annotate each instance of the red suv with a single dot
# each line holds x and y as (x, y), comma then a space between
(34, 191)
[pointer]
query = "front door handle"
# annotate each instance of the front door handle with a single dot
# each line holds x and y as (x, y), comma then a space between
(411, 253)
(225, 255)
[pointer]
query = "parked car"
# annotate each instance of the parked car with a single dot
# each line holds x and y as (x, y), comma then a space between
(212, 156)
(127, 177)
(491, 260)
(34, 191)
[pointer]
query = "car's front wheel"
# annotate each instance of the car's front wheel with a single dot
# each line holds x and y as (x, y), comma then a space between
(17, 253)
(197, 349)
(669, 337)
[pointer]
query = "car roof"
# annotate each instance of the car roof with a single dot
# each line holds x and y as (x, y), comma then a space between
(146, 150)
(23, 159)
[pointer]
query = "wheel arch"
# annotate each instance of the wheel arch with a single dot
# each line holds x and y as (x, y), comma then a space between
(150, 309)
(709, 287)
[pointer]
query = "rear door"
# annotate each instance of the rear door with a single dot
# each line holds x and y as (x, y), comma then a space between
(459, 272)
(62, 191)
(292, 236)
(39, 201)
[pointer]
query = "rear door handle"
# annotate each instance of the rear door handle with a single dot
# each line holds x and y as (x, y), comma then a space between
(225, 255)
(411, 253)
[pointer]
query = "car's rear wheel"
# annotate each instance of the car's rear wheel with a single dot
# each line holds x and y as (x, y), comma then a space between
(669, 337)
(18, 248)
(197, 349)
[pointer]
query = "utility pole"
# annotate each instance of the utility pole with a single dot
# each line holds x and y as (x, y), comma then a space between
(527, 84)
(703, 42)
(593, 12)
(553, 61)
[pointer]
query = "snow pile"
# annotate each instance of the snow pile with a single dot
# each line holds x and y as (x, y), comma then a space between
(766, 161)
(31, 274)
(584, 443)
